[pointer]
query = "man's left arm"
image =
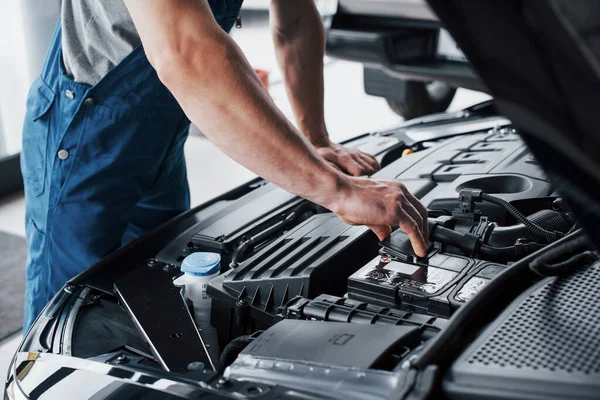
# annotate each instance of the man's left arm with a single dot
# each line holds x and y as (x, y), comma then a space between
(299, 39)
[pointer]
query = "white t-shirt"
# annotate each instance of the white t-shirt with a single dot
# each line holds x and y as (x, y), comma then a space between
(96, 36)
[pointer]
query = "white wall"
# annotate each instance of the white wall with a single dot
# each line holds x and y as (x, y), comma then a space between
(26, 27)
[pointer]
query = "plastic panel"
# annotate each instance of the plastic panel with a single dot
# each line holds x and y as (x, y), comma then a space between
(315, 257)
(544, 346)
(316, 356)
(438, 174)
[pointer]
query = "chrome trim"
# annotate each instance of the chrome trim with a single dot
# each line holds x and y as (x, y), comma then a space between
(140, 378)
(70, 323)
(424, 133)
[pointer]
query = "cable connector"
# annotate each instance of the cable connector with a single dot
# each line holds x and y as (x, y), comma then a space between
(468, 197)
(526, 248)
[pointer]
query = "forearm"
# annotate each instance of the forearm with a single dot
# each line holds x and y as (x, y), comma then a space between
(220, 93)
(223, 97)
(299, 40)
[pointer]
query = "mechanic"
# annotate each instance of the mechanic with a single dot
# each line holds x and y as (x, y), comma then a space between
(106, 123)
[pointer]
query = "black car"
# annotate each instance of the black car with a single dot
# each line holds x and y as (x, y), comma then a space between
(409, 59)
(506, 303)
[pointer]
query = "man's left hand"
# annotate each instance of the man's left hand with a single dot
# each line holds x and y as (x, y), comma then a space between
(349, 160)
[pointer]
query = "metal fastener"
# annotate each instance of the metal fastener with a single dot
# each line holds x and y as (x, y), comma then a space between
(222, 383)
(195, 365)
(152, 262)
(89, 102)
(122, 359)
(169, 267)
(70, 94)
(63, 154)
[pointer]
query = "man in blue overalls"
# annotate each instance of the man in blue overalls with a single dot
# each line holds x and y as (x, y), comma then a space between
(107, 119)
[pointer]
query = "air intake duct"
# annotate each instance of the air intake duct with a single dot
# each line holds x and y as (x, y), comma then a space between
(550, 220)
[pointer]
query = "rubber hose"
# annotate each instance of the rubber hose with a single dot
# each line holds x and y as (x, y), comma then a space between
(552, 220)
(544, 266)
(501, 236)
(499, 252)
(468, 243)
(233, 350)
(564, 267)
(521, 218)
(509, 253)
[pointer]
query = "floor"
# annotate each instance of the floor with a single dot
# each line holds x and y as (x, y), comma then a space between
(349, 112)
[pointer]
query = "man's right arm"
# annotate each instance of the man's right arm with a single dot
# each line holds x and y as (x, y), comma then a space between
(220, 93)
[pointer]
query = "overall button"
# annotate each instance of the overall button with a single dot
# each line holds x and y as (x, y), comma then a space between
(63, 154)
(70, 95)
(89, 102)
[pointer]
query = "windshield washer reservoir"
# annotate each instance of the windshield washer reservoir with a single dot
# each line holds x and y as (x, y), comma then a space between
(199, 268)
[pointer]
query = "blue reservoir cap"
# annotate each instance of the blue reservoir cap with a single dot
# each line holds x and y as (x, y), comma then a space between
(201, 264)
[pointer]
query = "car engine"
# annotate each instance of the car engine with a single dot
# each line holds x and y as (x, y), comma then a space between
(306, 301)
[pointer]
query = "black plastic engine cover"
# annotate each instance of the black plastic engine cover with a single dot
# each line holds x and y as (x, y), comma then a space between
(257, 210)
(339, 309)
(357, 361)
(315, 257)
(335, 343)
(496, 161)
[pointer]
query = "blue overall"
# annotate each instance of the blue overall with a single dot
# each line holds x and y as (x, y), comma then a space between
(101, 164)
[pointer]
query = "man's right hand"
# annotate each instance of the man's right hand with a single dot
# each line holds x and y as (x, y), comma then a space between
(381, 205)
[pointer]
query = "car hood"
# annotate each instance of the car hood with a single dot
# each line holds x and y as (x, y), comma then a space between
(540, 61)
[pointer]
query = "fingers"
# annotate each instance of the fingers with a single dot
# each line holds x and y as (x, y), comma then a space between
(381, 204)
(382, 231)
(353, 167)
(409, 226)
(415, 215)
(422, 211)
(352, 161)
(366, 168)
(413, 220)
(371, 160)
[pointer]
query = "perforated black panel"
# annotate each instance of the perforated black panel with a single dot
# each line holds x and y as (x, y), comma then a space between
(557, 328)
(544, 346)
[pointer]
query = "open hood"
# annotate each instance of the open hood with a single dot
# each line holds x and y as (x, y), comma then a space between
(540, 61)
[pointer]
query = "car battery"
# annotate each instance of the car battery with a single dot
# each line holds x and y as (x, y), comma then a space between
(436, 284)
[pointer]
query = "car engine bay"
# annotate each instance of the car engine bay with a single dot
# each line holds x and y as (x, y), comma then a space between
(306, 302)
